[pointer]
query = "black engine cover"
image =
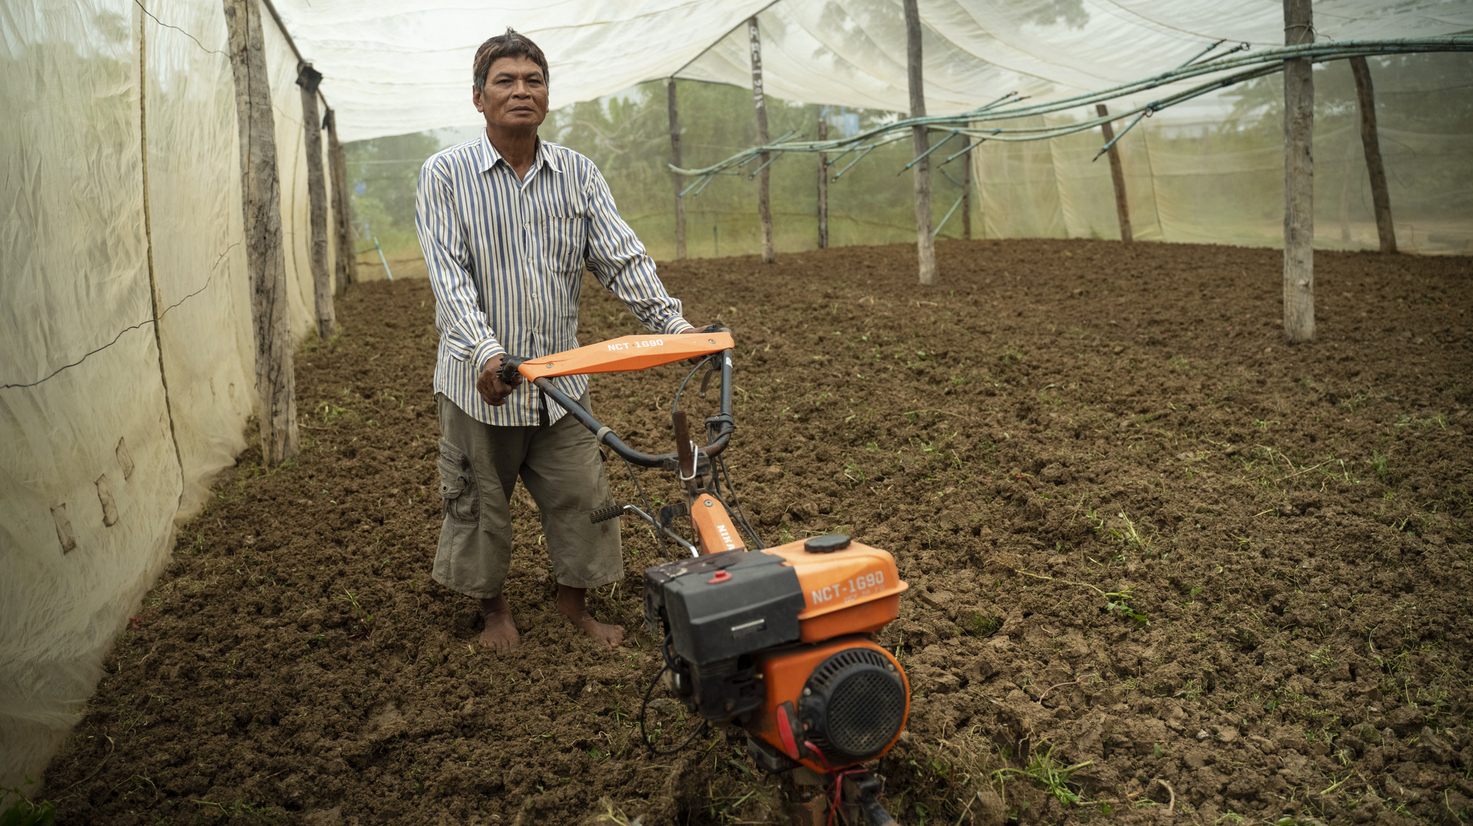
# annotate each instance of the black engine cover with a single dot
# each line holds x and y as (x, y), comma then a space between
(718, 610)
(723, 605)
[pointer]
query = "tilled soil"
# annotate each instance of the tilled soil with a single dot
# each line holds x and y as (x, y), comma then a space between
(1162, 567)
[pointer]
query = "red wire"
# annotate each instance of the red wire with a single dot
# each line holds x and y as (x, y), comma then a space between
(838, 780)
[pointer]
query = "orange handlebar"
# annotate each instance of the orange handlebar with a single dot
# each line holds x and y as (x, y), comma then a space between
(625, 354)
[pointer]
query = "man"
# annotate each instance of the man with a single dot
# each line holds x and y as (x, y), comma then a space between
(508, 223)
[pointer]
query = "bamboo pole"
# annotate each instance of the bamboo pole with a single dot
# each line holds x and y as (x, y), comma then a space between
(308, 78)
(1117, 175)
(1298, 177)
(346, 256)
(759, 102)
(674, 111)
(1366, 95)
(925, 243)
(823, 187)
(265, 259)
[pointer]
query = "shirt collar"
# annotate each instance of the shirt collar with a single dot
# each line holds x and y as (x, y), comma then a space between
(545, 156)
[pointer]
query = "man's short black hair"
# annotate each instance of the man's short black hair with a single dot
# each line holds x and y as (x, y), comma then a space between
(511, 44)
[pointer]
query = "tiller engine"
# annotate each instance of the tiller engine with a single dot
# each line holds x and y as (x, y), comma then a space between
(777, 641)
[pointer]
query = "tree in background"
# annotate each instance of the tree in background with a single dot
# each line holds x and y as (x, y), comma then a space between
(382, 174)
(1423, 110)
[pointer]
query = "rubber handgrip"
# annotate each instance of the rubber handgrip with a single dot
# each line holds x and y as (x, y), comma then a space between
(508, 370)
(604, 514)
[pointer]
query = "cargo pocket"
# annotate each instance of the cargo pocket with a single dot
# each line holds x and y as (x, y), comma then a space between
(457, 484)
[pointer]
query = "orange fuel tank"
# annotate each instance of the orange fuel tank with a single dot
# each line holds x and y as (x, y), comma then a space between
(848, 587)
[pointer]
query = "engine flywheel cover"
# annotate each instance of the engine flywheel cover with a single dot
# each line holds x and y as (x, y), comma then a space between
(854, 704)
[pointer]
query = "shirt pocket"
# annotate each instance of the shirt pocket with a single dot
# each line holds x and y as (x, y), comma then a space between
(564, 239)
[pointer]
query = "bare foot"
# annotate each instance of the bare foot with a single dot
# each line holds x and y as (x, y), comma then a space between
(570, 603)
(501, 631)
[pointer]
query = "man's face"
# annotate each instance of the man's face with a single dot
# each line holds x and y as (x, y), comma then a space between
(515, 98)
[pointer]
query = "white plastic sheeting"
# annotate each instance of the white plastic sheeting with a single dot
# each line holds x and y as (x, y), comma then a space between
(397, 66)
(128, 371)
(394, 67)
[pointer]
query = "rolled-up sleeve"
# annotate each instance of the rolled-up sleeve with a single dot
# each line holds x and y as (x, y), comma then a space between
(465, 335)
(619, 260)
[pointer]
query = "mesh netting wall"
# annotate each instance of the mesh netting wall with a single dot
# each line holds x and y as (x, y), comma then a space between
(129, 370)
(1189, 178)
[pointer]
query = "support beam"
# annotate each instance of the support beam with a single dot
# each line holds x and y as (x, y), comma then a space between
(823, 186)
(265, 259)
(308, 78)
(342, 209)
(967, 191)
(1380, 198)
(1298, 177)
(676, 179)
(759, 102)
(921, 143)
(1117, 174)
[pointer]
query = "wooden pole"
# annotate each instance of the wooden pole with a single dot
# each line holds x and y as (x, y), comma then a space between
(1366, 95)
(342, 208)
(759, 102)
(1345, 193)
(823, 187)
(265, 259)
(308, 78)
(679, 181)
(920, 142)
(967, 191)
(1117, 174)
(1298, 177)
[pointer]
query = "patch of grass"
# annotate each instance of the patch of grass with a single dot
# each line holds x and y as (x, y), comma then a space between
(1323, 658)
(1378, 464)
(982, 625)
(1131, 535)
(1050, 775)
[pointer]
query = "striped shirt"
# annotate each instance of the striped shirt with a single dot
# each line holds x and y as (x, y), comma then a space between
(506, 259)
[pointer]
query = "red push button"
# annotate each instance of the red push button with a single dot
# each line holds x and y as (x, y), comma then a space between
(721, 576)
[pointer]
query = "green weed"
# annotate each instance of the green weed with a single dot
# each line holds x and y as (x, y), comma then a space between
(365, 619)
(25, 812)
(1048, 774)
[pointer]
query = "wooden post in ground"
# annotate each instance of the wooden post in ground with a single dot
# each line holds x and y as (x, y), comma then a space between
(967, 191)
(1298, 177)
(265, 259)
(342, 208)
(759, 101)
(679, 180)
(920, 142)
(1366, 95)
(1117, 174)
(823, 187)
(308, 78)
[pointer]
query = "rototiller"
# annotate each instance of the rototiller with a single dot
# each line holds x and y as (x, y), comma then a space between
(778, 641)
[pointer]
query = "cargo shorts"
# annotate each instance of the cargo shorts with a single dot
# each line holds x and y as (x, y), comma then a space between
(562, 469)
